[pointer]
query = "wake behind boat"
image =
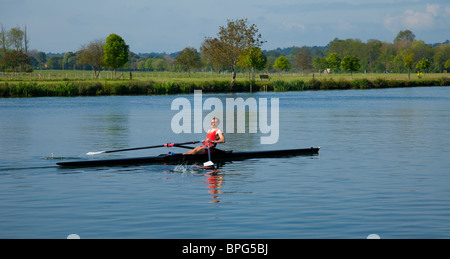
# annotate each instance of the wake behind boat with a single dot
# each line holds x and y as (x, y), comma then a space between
(219, 156)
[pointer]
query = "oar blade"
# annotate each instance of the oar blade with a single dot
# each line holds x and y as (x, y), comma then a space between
(208, 164)
(95, 153)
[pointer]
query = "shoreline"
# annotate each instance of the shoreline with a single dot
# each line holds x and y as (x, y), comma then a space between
(67, 88)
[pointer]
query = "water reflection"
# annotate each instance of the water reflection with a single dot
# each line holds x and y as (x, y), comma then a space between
(111, 128)
(214, 178)
(215, 181)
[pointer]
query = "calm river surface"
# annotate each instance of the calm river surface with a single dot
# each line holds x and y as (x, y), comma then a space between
(383, 168)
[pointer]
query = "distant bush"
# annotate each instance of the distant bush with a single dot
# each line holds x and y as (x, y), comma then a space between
(361, 83)
(296, 85)
(280, 86)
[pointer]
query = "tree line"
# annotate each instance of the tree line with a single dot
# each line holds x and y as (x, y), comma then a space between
(236, 47)
(404, 54)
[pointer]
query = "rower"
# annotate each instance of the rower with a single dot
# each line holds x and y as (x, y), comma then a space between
(213, 136)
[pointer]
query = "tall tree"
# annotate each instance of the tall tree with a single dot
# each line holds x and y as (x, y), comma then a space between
(25, 39)
(3, 39)
(408, 60)
(115, 52)
(232, 40)
(92, 55)
(303, 59)
(386, 57)
(211, 53)
(15, 38)
(372, 52)
(16, 56)
(404, 39)
(188, 58)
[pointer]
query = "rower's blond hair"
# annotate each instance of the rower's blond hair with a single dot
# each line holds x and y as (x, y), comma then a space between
(217, 121)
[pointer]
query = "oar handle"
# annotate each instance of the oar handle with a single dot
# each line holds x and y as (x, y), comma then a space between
(138, 148)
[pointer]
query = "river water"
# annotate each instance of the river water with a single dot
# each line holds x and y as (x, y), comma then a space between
(383, 169)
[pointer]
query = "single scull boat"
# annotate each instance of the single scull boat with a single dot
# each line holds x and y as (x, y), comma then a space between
(219, 156)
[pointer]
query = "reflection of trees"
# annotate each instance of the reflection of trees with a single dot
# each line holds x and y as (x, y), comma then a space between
(111, 129)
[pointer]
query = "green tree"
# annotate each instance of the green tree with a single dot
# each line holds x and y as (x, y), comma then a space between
(92, 55)
(447, 63)
(320, 64)
(188, 58)
(398, 64)
(333, 61)
(148, 64)
(159, 64)
(371, 53)
(348, 47)
(303, 59)
(3, 40)
(253, 58)
(17, 56)
(141, 65)
(408, 60)
(15, 37)
(115, 52)
(282, 63)
(54, 62)
(69, 60)
(404, 39)
(231, 42)
(14, 59)
(351, 64)
(423, 65)
(441, 54)
(420, 50)
(41, 57)
(387, 56)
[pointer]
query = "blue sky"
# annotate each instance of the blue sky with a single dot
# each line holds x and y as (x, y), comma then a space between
(171, 25)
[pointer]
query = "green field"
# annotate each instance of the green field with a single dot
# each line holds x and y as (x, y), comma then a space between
(82, 83)
(84, 75)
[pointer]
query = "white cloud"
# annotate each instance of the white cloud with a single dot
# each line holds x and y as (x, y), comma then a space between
(417, 20)
(433, 9)
(294, 26)
(427, 18)
(341, 25)
(447, 11)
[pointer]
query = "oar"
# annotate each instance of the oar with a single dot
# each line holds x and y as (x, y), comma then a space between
(209, 163)
(137, 148)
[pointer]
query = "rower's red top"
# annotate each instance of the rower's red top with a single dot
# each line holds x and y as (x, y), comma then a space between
(211, 135)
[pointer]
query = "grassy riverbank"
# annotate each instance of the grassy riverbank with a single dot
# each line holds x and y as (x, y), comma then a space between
(177, 83)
